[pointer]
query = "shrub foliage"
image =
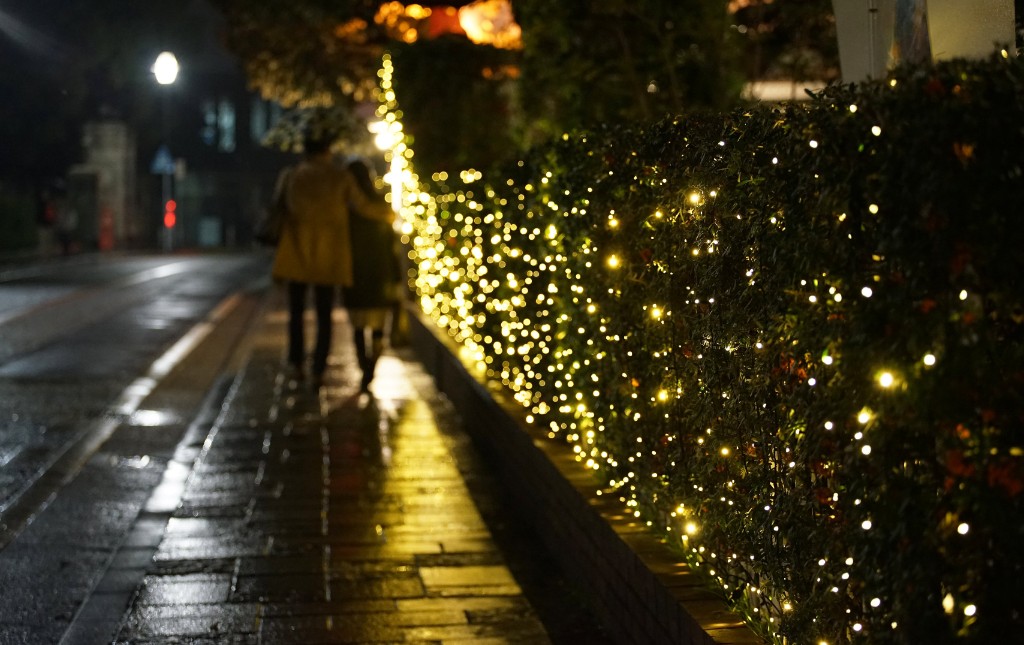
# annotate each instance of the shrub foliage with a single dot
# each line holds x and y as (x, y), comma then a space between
(787, 337)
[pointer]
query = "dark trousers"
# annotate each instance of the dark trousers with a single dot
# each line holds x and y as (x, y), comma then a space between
(323, 300)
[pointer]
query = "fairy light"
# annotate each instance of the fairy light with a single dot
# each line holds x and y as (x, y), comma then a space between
(543, 294)
(948, 603)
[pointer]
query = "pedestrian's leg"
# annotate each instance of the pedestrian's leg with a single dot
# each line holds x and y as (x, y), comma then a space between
(324, 296)
(359, 340)
(296, 338)
(376, 349)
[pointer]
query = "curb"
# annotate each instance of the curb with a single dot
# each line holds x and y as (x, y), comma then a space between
(643, 591)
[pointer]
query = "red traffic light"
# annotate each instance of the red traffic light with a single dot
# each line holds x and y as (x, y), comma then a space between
(170, 217)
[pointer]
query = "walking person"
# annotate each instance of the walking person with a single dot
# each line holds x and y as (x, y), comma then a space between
(315, 249)
(374, 293)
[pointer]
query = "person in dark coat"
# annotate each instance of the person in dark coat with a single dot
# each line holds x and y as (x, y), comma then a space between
(376, 279)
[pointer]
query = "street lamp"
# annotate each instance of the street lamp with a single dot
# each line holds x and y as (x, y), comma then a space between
(165, 69)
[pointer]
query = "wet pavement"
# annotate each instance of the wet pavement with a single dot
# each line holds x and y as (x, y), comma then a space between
(332, 516)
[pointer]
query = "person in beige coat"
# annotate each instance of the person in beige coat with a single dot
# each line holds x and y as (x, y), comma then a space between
(315, 247)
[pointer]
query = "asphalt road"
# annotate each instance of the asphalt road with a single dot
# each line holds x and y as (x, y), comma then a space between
(75, 334)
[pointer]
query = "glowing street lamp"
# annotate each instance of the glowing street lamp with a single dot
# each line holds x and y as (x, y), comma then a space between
(165, 69)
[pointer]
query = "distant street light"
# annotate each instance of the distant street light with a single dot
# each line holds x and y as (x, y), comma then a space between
(165, 68)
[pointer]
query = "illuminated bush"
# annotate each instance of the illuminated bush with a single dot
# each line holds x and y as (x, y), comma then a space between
(788, 338)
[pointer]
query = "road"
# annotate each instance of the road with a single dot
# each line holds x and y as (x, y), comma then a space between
(85, 342)
(75, 335)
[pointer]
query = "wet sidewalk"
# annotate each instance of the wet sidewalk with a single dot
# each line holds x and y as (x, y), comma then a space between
(328, 517)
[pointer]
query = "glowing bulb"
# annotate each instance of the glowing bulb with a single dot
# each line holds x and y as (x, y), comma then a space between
(875, 130)
(614, 262)
(970, 610)
(826, 359)
(873, 209)
(725, 452)
(963, 529)
(963, 294)
(813, 143)
(948, 604)
(166, 68)
(866, 450)
(876, 602)
(866, 292)
(857, 627)
(691, 528)
(866, 525)
(864, 416)
(886, 379)
(929, 359)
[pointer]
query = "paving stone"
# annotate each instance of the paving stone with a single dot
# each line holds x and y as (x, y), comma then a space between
(328, 629)
(185, 589)
(292, 587)
(391, 587)
(195, 620)
(333, 608)
(466, 576)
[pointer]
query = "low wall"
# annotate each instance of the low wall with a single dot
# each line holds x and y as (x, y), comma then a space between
(640, 588)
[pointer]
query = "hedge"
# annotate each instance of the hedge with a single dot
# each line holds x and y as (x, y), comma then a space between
(788, 337)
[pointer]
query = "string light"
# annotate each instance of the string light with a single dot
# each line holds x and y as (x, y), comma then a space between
(537, 291)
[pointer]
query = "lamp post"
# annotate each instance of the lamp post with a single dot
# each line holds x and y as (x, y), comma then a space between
(165, 70)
